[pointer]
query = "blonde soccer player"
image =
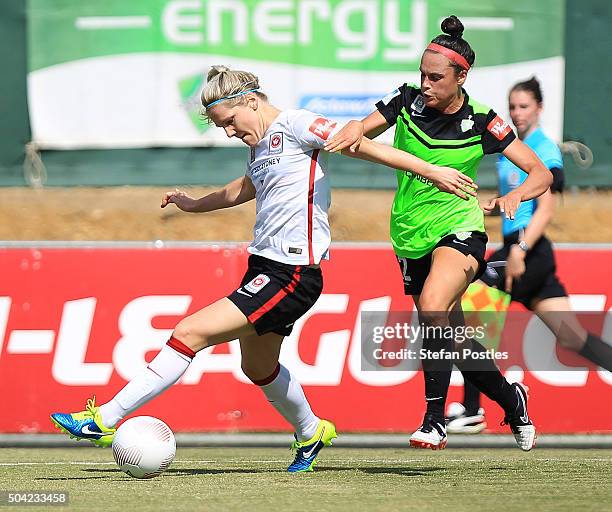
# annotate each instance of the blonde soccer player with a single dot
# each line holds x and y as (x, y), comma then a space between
(287, 175)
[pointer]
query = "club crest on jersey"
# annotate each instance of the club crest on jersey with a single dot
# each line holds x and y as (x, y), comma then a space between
(257, 284)
(322, 127)
(499, 128)
(275, 145)
(418, 105)
(467, 124)
(252, 155)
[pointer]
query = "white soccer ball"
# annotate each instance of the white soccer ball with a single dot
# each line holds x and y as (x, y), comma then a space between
(144, 447)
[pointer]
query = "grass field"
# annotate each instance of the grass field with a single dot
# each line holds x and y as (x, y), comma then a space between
(254, 479)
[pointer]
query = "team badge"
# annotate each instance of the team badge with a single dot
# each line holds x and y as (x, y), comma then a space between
(463, 235)
(276, 143)
(467, 124)
(257, 284)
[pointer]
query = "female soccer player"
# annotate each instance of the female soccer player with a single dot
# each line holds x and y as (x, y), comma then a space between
(440, 240)
(529, 274)
(287, 176)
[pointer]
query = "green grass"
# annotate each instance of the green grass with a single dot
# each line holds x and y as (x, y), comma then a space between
(254, 479)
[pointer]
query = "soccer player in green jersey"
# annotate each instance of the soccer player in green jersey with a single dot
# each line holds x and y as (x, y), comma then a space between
(439, 239)
(529, 271)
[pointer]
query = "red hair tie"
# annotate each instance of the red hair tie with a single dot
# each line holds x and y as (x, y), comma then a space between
(452, 55)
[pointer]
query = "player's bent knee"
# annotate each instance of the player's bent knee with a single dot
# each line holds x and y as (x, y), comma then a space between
(258, 374)
(185, 333)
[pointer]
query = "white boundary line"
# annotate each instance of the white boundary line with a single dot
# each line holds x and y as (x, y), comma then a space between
(347, 461)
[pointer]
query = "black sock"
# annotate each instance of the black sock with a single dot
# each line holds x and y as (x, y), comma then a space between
(471, 398)
(437, 373)
(485, 375)
(597, 351)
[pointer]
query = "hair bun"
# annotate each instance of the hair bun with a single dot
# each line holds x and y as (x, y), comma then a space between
(453, 27)
(533, 80)
(216, 70)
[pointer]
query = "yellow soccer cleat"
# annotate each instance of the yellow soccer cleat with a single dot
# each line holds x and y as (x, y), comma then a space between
(86, 424)
(307, 451)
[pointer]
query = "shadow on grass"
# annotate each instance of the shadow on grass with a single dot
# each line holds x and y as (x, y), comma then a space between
(389, 470)
(100, 473)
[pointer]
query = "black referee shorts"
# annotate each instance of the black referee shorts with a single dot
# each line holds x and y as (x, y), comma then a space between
(539, 280)
(273, 295)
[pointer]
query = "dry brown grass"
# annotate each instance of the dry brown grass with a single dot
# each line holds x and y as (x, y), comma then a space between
(133, 213)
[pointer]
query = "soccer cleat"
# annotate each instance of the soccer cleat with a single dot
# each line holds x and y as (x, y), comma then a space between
(307, 451)
(86, 424)
(431, 434)
(520, 424)
(458, 422)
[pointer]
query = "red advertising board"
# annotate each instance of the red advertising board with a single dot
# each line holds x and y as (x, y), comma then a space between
(77, 322)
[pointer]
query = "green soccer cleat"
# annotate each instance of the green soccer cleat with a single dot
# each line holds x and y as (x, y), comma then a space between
(307, 451)
(86, 424)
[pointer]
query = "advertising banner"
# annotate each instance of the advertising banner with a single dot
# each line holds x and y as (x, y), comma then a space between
(119, 74)
(78, 322)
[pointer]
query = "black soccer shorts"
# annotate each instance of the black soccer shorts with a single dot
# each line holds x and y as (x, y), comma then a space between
(273, 295)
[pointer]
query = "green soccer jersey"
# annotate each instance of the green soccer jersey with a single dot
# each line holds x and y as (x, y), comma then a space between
(421, 214)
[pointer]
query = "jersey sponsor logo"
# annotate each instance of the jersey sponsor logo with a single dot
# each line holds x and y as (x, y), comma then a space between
(265, 165)
(322, 127)
(467, 124)
(418, 105)
(419, 178)
(276, 143)
(499, 128)
(257, 284)
(387, 99)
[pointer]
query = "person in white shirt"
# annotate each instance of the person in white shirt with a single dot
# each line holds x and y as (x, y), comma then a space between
(287, 176)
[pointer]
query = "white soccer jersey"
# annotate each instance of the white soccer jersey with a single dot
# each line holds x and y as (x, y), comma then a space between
(288, 169)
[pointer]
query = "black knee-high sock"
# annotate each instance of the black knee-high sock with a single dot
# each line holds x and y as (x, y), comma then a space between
(485, 375)
(597, 351)
(437, 373)
(471, 398)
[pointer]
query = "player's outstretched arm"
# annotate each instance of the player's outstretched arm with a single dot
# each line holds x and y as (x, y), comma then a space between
(234, 193)
(539, 180)
(445, 179)
(352, 134)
